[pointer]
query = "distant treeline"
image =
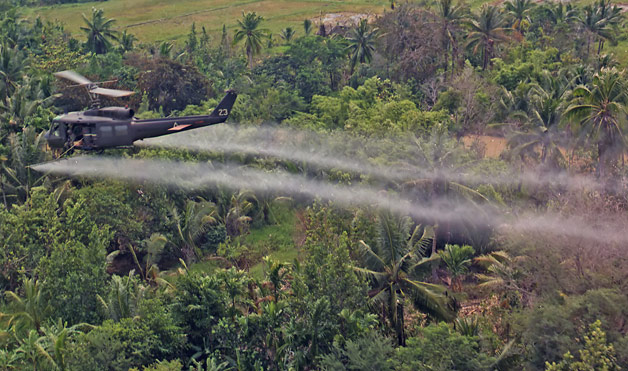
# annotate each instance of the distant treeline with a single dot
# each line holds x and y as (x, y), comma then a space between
(50, 2)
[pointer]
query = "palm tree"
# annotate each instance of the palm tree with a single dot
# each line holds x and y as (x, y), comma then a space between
(287, 34)
(99, 32)
(457, 260)
(560, 13)
(518, 11)
(600, 112)
(236, 216)
(502, 272)
(12, 64)
(27, 148)
(452, 17)
(251, 34)
(22, 104)
(55, 343)
(152, 248)
(307, 27)
(594, 26)
(123, 299)
(361, 43)
(126, 41)
(393, 266)
(30, 311)
(547, 104)
(197, 217)
(439, 158)
(486, 30)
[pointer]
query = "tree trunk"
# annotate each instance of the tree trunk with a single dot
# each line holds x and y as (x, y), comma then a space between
(249, 53)
(401, 335)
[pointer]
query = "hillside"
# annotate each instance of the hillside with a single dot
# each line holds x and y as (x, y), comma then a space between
(159, 20)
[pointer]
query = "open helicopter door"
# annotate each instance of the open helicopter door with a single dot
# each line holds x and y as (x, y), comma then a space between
(57, 135)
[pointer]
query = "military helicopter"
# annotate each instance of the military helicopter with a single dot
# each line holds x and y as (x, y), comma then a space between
(111, 127)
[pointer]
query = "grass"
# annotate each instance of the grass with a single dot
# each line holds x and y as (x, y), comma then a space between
(165, 20)
(276, 241)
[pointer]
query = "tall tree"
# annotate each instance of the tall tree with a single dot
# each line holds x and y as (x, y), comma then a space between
(518, 10)
(12, 64)
(252, 35)
(560, 13)
(394, 264)
(99, 32)
(486, 30)
(439, 158)
(600, 111)
(542, 128)
(362, 43)
(452, 17)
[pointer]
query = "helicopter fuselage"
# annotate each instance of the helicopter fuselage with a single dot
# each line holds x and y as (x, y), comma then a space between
(111, 127)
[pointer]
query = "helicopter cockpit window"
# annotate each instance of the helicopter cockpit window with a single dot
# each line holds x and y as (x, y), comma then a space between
(56, 131)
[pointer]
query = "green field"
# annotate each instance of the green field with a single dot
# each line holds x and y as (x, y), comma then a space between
(158, 20)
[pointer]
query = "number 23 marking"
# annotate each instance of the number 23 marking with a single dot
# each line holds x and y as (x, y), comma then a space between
(223, 112)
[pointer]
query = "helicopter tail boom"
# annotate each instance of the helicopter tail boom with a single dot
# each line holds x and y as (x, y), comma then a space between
(224, 107)
(156, 127)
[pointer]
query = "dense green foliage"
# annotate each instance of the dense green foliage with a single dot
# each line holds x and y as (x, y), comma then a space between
(107, 275)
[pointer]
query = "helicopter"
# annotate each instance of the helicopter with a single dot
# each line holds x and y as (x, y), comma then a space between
(112, 127)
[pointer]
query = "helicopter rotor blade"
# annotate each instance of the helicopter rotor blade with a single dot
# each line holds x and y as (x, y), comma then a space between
(74, 77)
(115, 93)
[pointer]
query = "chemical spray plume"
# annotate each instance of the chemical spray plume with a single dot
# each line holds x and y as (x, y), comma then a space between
(328, 152)
(199, 176)
(195, 176)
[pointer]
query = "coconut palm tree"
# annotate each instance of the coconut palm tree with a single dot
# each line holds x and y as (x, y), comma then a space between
(29, 311)
(393, 266)
(123, 299)
(22, 104)
(99, 32)
(486, 31)
(361, 43)
(237, 215)
(518, 10)
(27, 148)
(197, 217)
(126, 41)
(559, 13)
(501, 271)
(287, 34)
(611, 16)
(252, 35)
(542, 129)
(593, 25)
(452, 17)
(12, 64)
(457, 259)
(600, 114)
(439, 158)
